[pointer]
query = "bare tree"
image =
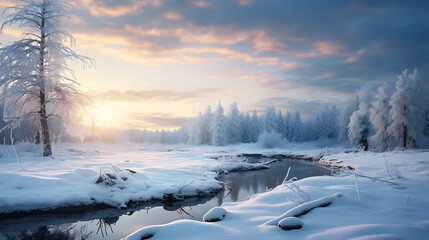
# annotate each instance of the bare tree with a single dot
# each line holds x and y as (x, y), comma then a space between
(36, 79)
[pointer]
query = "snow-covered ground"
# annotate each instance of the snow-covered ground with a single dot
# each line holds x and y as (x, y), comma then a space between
(386, 197)
(112, 174)
(373, 202)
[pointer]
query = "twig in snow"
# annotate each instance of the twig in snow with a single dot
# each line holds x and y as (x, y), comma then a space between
(357, 186)
(191, 182)
(16, 153)
(377, 179)
(287, 175)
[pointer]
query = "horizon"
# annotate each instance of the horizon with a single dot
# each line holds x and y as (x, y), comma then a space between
(159, 63)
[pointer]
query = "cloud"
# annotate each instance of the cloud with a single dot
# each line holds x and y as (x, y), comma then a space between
(172, 16)
(279, 46)
(159, 95)
(100, 8)
(245, 2)
(6, 3)
(201, 3)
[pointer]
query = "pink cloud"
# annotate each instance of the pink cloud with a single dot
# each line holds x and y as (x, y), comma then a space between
(326, 48)
(262, 42)
(172, 16)
(98, 9)
(289, 65)
(245, 2)
(201, 3)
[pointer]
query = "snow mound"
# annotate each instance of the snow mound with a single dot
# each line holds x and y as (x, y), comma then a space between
(305, 208)
(290, 223)
(215, 215)
(236, 164)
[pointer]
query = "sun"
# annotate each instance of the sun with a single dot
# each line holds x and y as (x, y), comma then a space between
(104, 116)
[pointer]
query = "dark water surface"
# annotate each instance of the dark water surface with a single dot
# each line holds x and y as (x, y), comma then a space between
(116, 224)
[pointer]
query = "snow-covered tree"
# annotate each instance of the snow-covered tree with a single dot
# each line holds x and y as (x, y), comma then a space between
(359, 126)
(205, 126)
(351, 106)
(379, 117)
(36, 79)
(255, 127)
(194, 130)
(270, 120)
(408, 110)
(288, 122)
(245, 128)
(282, 125)
(234, 125)
(297, 128)
(219, 134)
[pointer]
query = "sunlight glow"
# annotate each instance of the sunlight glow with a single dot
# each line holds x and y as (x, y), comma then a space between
(104, 116)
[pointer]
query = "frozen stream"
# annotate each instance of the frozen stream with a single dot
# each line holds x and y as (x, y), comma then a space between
(116, 224)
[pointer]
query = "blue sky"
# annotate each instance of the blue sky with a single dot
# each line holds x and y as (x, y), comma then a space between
(159, 62)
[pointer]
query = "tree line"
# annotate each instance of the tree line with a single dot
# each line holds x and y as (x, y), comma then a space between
(396, 117)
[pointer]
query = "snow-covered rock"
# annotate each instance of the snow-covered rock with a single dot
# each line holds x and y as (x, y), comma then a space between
(215, 215)
(290, 223)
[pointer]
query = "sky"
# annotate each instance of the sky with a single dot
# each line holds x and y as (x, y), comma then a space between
(159, 62)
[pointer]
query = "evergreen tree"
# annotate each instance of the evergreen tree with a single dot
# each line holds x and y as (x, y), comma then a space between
(379, 117)
(270, 120)
(297, 128)
(359, 126)
(234, 124)
(407, 114)
(219, 134)
(255, 127)
(351, 106)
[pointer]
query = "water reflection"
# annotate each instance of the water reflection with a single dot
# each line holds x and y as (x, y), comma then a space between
(117, 223)
(49, 232)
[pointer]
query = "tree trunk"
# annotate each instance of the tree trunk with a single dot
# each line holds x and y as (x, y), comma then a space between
(47, 149)
(404, 137)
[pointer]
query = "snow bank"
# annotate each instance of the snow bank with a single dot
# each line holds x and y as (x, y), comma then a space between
(305, 208)
(236, 164)
(381, 210)
(100, 174)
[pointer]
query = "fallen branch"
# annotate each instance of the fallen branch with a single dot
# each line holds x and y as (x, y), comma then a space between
(305, 208)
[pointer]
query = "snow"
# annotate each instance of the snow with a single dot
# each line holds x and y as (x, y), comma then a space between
(304, 208)
(216, 214)
(381, 210)
(290, 223)
(236, 164)
(385, 197)
(71, 176)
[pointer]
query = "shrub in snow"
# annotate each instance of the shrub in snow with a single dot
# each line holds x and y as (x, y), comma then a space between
(290, 223)
(216, 214)
(116, 176)
(392, 171)
(270, 140)
(302, 195)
